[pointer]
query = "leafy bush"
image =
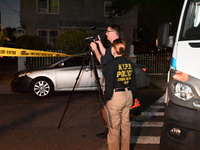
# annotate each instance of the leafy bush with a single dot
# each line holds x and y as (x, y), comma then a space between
(73, 42)
(30, 42)
(2, 38)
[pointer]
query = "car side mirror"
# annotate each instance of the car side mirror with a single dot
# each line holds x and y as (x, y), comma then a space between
(164, 40)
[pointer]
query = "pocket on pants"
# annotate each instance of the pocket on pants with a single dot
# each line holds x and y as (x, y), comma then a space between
(106, 116)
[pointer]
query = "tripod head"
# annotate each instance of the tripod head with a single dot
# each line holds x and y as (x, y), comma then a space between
(90, 54)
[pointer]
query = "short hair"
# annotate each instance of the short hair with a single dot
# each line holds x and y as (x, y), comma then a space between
(116, 28)
(119, 45)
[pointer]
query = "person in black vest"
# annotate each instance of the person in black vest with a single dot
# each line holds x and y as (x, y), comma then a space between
(120, 90)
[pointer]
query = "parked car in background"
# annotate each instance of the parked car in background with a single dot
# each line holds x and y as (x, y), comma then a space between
(63, 74)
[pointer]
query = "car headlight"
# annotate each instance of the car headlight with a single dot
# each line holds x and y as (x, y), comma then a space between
(23, 74)
(183, 91)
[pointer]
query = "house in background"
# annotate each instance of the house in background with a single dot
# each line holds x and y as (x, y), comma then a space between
(19, 31)
(49, 18)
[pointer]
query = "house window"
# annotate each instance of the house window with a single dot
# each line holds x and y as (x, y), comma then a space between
(47, 6)
(49, 36)
(109, 11)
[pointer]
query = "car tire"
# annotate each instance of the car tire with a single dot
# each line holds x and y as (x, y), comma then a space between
(42, 87)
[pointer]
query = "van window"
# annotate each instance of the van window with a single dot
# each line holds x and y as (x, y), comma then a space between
(191, 28)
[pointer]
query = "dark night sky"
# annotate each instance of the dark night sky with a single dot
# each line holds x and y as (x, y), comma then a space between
(10, 13)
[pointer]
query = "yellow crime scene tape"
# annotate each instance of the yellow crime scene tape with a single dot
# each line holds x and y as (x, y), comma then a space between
(5, 51)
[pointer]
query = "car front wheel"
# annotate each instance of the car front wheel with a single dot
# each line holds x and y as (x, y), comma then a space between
(42, 87)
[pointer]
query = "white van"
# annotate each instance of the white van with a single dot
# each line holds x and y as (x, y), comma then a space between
(181, 130)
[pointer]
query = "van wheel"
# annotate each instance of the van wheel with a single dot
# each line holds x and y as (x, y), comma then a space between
(42, 87)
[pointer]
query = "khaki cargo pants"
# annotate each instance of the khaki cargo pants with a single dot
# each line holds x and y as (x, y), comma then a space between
(118, 121)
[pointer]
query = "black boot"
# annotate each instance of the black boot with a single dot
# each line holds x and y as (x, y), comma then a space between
(103, 134)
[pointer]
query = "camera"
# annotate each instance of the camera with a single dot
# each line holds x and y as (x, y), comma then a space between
(94, 36)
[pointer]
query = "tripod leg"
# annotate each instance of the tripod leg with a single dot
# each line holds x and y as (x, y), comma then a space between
(68, 102)
(98, 85)
(96, 78)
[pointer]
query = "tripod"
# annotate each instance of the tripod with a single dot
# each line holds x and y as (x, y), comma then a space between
(93, 67)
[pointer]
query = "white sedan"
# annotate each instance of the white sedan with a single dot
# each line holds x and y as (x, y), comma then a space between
(70, 73)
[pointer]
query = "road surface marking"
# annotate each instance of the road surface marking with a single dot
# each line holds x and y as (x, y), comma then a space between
(146, 124)
(145, 139)
(157, 107)
(153, 114)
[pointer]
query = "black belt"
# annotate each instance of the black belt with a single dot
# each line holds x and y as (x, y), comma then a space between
(121, 89)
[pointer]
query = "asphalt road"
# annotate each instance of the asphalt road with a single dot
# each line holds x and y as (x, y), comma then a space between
(30, 123)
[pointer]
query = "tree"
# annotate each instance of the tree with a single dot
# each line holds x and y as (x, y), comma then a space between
(151, 13)
(3, 36)
(10, 34)
(73, 42)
